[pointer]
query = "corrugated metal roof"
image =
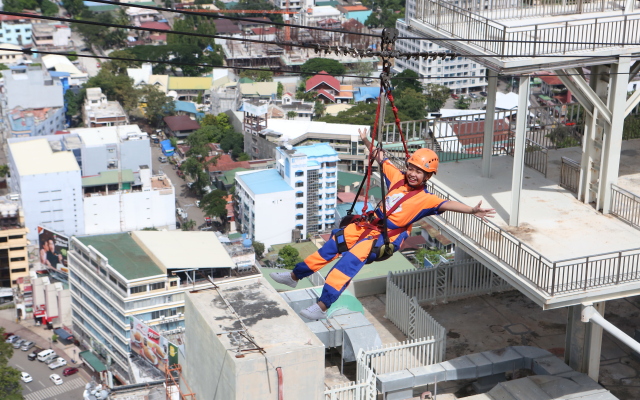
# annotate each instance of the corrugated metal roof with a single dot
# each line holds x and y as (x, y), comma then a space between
(189, 83)
(108, 178)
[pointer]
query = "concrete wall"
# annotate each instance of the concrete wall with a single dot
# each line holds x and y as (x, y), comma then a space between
(275, 217)
(51, 296)
(31, 92)
(122, 212)
(369, 287)
(53, 201)
(64, 307)
(134, 153)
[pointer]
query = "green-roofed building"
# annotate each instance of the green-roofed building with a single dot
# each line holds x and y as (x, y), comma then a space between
(107, 180)
(140, 274)
(228, 178)
(101, 8)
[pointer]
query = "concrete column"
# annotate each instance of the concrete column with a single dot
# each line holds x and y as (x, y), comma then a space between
(612, 143)
(583, 342)
(518, 156)
(592, 140)
(487, 148)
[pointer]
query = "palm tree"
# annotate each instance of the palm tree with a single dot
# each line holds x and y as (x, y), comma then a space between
(188, 225)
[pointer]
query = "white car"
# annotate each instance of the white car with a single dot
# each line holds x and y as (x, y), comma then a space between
(55, 378)
(59, 362)
(26, 378)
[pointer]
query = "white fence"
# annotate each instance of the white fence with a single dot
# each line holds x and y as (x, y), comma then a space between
(399, 356)
(448, 282)
(364, 389)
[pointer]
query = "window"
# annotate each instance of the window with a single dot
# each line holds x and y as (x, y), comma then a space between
(12, 237)
(138, 289)
(15, 271)
(173, 283)
(299, 194)
(156, 286)
(299, 205)
(299, 173)
(299, 184)
(299, 216)
(16, 248)
(17, 259)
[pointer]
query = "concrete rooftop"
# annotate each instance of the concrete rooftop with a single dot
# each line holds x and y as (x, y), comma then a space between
(553, 221)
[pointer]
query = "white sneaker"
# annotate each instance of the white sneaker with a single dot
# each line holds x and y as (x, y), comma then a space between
(284, 278)
(314, 313)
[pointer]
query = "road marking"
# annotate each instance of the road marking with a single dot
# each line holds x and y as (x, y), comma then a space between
(19, 366)
(43, 385)
(54, 391)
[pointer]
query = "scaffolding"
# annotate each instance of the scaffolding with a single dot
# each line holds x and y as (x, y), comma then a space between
(173, 377)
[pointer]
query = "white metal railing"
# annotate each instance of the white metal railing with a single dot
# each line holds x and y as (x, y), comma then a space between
(412, 320)
(449, 282)
(400, 356)
(316, 279)
(364, 389)
(569, 174)
(625, 205)
(484, 31)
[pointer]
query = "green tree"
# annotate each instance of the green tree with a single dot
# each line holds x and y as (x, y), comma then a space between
(194, 168)
(74, 7)
(407, 79)
(563, 136)
(72, 56)
(258, 247)
(4, 170)
(412, 104)
(437, 95)
(316, 65)
(159, 104)
(256, 5)
(301, 93)
(244, 157)
(360, 114)
(363, 69)
(215, 205)
(3, 67)
(73, 102)
(119, 67)
(257, 76)
(233, 142)
(319, 109)
(10, 387)
(289, 256)
(280, 90)
(188, 225)
(462, 103)
(48, 8)
(433, 255)
(291, 114)
(116, 87)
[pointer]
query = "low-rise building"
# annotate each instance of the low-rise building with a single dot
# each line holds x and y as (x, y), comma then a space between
(139, 274)
(32, 101)
(189, 87)
(51, 36)
(16, 30)
(295, 199)
(98, 111)
(14, 262)
(61, 65)
(180, 126)
(9, 57)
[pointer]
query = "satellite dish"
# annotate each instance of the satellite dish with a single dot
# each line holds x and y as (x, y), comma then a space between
(103, 394)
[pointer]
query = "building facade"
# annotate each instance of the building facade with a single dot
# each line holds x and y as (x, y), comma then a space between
(114, 277)
(99, 112)
(15, 30)
(460, 74)
(294, 200)
(14, 262)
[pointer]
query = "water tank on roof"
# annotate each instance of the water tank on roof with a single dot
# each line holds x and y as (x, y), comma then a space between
(247, 243)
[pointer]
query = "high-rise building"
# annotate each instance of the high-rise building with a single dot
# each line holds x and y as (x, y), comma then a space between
(460, 74)
(293, 200)
(143, 274)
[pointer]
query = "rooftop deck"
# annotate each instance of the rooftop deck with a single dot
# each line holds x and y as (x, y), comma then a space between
(564, 252)
(525, 35)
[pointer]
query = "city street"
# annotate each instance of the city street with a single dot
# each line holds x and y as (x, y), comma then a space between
(185, 198)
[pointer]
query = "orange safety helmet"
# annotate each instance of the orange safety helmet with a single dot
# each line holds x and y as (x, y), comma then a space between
(425, 159)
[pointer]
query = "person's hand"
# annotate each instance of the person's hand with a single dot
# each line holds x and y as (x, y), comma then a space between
(363, 134)
(483, 212)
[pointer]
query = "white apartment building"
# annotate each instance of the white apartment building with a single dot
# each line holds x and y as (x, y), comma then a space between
(48, 182)
(114, 277)
(293, 200)
(91, 181)
(459, 74)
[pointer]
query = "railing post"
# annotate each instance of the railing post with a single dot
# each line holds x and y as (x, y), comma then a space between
(504, 40)
(586, 269)
(619, 267)
(535, 40)
(595, 31)
(553, 280)
(624, 31)
(566, 32)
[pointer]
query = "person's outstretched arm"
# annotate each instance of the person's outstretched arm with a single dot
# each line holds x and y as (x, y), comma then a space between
(479, 212)
(379, 155)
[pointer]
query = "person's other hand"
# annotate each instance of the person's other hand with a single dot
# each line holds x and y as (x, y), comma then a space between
(363, 134)
(483, 212)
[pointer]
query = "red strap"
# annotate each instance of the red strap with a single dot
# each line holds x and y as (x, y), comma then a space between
(373, 225)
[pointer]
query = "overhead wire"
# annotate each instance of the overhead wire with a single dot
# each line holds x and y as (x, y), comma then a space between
(276, 70)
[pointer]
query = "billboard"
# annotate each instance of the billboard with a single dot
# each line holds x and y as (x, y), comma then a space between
(153, 348)
(53, 250)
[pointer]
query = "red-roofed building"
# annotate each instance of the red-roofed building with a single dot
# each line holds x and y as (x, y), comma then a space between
(163, 26)
(226, 27)
(551, 85)
(413, 243)
(329, 89)
(180, 126)
(471, 134)
(348, 197)
(263, 31)
(225, 163)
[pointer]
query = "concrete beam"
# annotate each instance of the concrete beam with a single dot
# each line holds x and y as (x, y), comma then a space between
(518, 156)
(582, 99)
(635, 68)
(487, 148)
(632, 102)
(583, 88)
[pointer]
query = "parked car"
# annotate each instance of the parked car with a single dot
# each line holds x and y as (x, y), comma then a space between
(26, 378)
(484, 94)
(473, 95)
(162, 159)
(18, 343)
(34, 353)
(12, 339)
(57, 363)
(181, 213)
(53, 357)
(55, 378)
(155, 138)
(454, 96)
(26, 346)
(7, 335)
(69, 371)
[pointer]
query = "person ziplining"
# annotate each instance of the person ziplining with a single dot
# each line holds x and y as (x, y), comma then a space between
(406, 202)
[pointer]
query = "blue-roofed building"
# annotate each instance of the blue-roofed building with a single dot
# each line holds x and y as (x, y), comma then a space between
(367, 94)
(187, 108)
(293, 200)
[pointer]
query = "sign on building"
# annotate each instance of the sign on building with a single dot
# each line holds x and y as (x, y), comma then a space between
(151, 346)
(53, 250)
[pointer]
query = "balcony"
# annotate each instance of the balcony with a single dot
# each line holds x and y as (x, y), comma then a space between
(563, 252)
(533, 28)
